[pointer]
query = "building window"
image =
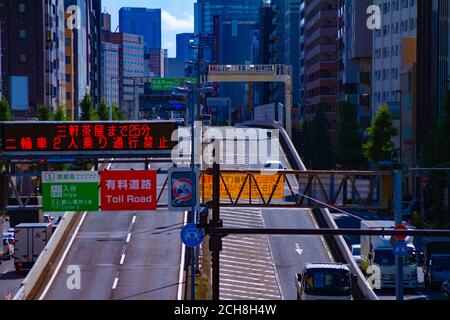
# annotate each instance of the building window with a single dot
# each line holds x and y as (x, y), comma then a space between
(22, 8)
(22, 34)
(22, 58)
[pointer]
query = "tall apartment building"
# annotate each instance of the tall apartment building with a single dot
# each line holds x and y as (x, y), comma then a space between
(86, 50)
(70, 71)
(320, 60)
(144, 22)
(433, 70)
(32, 74)
(110, 73)
(95, 40)
(354, 58)
(399, 20)
(131, 68)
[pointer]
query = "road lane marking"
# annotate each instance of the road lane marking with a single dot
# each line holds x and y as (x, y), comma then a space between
(233, 271)
(128, 238)
(58, 267)
(122, 259)
(116, 282)
(183, 252)
(298, 250)
(134, 220)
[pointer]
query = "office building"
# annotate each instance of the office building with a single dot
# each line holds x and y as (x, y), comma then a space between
(144, 22)
(399, 21)
(175, 68)
(110, 73)
(320, 60)
(154, 63)
(238, 10)
(70, 71)
(184, 51)
(131, 68)
(95, 40)
(354, 58)
(32, 74)
(433, 70)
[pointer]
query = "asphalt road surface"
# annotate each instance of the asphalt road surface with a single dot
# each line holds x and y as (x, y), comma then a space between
(292, 253)
(123, 255)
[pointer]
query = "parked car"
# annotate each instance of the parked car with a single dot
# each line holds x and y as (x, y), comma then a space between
(446, 288)
(356, 252)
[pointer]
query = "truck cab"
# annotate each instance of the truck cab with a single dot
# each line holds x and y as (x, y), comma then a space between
(325, 281)
(377, 253)
(436, 267)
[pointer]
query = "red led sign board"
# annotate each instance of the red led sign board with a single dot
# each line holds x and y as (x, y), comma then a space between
(76, 137)
(128, 190)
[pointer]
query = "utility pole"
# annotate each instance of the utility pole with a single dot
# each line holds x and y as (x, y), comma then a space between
(398, 221)
(215, 243)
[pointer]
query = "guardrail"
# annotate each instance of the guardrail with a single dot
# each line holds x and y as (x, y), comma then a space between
(43, 264)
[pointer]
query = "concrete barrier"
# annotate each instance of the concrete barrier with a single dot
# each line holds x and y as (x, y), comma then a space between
(36, 276)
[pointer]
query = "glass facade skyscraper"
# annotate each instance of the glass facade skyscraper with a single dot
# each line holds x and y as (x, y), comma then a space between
(144, 22)
(240, 10)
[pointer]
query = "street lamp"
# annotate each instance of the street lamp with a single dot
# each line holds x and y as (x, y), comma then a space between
(189, 90)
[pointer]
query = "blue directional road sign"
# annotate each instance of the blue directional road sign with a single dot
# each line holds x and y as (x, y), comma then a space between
(192, 236)
(400, 249)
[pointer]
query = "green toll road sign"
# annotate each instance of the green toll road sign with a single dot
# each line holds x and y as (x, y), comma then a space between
(64, 191)
(168, 84)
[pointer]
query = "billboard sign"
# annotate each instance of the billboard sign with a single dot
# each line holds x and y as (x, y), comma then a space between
(67, 191)
(128, 190)
(87, 137)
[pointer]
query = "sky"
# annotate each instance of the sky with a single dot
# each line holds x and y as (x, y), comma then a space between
(177, 17)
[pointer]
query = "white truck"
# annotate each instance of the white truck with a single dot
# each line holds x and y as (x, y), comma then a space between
(325, 281)
(377, 254)
(30, 240)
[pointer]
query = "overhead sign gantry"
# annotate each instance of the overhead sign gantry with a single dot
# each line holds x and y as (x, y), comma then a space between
(257, 73)
(20, 140)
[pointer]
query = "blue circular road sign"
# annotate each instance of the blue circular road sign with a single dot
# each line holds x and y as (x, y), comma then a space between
(400, 249)
(192, 236)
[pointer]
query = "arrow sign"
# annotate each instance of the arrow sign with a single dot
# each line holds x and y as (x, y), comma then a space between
(298, 250)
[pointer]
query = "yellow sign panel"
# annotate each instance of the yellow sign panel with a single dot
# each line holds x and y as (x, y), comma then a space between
(235, 182)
